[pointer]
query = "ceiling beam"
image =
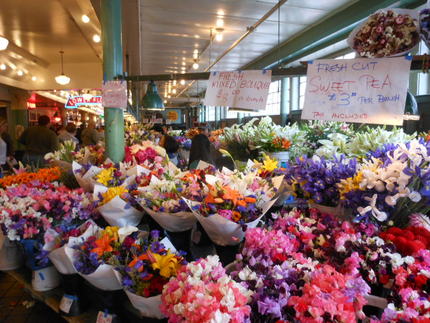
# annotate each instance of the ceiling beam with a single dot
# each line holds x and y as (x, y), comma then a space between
(331, 30)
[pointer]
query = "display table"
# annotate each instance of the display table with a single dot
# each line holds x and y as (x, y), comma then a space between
(53, 297)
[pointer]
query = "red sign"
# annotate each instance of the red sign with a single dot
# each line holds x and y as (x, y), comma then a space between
(75, 101)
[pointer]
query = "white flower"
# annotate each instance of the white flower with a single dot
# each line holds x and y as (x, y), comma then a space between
(125, 231)
(415, 196)
(379, 215)
(391, 200)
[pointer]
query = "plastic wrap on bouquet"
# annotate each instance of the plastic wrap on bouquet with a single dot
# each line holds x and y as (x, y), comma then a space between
(63, 165)
(222, 231)
(103, 278)
(86, 181)
(11, 256)
(174, 222)
(62, 257)
(118, 212)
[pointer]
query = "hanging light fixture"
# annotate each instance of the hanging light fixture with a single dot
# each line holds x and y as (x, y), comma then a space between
(151, 99)
(62, 79)
(196, 64)
(3, 43)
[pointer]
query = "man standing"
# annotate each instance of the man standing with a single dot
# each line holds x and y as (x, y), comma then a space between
(38, 140)
(90, 135)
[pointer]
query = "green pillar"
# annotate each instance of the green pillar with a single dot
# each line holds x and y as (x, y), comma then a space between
(111, 22)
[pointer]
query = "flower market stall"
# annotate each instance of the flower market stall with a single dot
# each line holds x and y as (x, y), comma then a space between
(317, 221)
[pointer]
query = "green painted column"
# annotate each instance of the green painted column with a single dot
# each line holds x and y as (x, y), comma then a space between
(111, 23)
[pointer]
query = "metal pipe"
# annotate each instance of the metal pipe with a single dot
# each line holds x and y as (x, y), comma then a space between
(249, 31)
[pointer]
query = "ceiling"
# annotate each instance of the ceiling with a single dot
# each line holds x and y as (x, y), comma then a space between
(171, 30)
(37, 31)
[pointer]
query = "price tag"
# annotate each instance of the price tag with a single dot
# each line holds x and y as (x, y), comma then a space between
(66, 303)
(103, 317)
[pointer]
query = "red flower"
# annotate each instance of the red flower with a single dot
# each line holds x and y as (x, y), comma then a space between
(421, 280)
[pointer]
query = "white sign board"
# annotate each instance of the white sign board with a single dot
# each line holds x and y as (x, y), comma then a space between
(114, 94)
(245, 90)
(357, 90)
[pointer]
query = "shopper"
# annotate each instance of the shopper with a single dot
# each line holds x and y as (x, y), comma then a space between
(68, 134)
(38, 140)
(6, 148)
(90, 135)
(200, 151)
(172, 147)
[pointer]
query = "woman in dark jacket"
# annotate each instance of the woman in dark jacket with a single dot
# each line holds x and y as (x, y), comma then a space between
(200, 151)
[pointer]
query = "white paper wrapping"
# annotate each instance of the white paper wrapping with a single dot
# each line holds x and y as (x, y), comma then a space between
(86, 181)
(174, 222)
(103, 278)
(62, 258)
(147, 306)
(115, 211)
(222, 231)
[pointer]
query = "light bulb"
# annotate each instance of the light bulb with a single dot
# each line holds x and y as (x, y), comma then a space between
(96, 38)
(182, 82)
(2, 67)
(220, 12)
(195, 55)
(20, 73)
(220, 23)
(195, 65)
(34, 78)
(183, 63)
(62, 79)
(174, 82)
(3, 43)
(165, 101)
(218, 37)
(85, 19)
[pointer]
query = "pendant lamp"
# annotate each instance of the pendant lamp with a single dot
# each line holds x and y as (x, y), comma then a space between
(62, 79)
(152, 100)
(4, 42)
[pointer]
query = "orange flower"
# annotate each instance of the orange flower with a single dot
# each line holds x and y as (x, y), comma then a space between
(103, 245)
(232, 195)
(136, 259)
(281, 143)
(43, 175)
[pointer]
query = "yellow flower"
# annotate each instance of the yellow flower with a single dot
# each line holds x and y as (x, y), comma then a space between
(112, 232)
(167, 264)
(105, 176)
(350, 184)
(112, 192)
(269, 164)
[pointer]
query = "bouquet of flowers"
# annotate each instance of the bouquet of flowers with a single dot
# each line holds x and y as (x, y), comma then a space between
(111, 176)
(145, 270)
(43, 175)
(163, 200)
(27, 212)
(215, 137)
(192, 132)
(283, 279)
(386, 33)
(145, 154)
(137, 133)
(118, 205)
(93, 154)
(391, 184)
(91, 258)
(203, 292)
(361, 143)
(314, 179)
(234, 201)
(64, 156)
(85, 174)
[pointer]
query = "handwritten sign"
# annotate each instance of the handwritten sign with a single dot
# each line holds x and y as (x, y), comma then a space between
(357, 90)
(245, 90)
(114, 94)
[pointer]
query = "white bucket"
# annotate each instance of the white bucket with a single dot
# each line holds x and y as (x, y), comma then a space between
(45, 279)
(282, 157)
(11, 256)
